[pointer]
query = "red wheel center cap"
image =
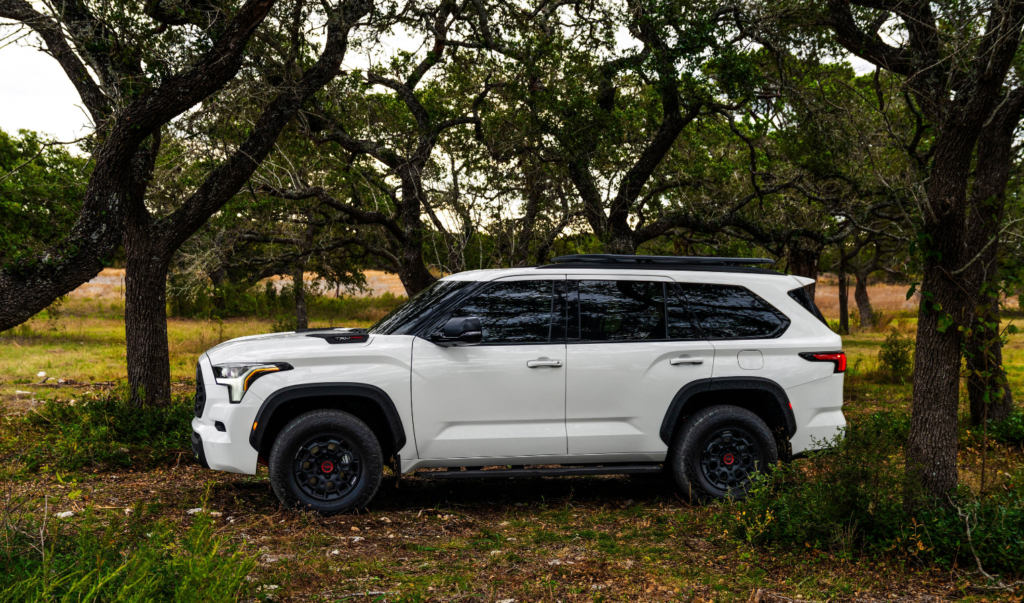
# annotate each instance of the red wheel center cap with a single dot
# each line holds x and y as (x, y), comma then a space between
(327, 466)
(728, 459)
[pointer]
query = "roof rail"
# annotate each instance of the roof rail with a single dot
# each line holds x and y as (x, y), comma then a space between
(691, 260)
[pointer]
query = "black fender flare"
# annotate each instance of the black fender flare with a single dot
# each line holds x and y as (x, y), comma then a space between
(700, 386)
(322, 390)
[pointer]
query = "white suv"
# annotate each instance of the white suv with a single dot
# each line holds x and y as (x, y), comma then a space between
(705, 368)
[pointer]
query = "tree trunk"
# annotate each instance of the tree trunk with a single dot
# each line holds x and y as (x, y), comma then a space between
(145, 318)
(986, 383)
(844, 302)
(986, 379)
(860, 295)
(299, 294)
(413, 272)
(931, 451)
(804, 262)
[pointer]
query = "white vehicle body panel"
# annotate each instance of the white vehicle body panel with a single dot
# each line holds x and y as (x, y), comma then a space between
(481, 405)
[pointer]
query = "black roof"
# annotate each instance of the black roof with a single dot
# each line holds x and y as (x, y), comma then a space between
(661, 262)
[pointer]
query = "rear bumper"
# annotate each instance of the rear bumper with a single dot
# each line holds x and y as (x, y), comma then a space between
(818, 409)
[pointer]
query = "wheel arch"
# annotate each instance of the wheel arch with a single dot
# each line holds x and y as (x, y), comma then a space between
(763, 397)
(369, 403)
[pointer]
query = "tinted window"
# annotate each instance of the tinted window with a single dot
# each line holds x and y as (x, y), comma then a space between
(680, 320)
(515, 312)
(802, 296)
(620, 310)
(404, 318)
(731, 312)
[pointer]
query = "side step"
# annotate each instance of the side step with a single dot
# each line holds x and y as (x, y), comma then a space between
(550, 471)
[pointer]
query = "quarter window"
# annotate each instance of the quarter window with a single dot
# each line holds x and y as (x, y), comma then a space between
(620, 310)
(513, 312)
(732, 312)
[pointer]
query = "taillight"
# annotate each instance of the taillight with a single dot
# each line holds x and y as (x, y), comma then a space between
(836, 358)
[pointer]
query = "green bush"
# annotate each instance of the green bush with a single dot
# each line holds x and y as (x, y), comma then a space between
(103, 431)
(1010, 430)
(896, 356)
(850, 499)
(264, 301)
(104, 558)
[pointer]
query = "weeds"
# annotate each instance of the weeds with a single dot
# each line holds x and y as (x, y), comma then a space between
(851, 500)
(102, 431)
(111, 557)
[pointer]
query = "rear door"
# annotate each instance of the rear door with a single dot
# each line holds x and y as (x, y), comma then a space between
(504, 397)
(631, 346)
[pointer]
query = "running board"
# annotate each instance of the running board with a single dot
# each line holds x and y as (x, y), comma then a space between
(552, 471)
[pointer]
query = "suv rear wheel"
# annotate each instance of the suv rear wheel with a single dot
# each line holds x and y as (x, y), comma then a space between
(717, 451)
(326, 461)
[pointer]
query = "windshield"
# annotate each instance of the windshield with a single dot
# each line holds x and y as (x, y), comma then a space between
(406, 317)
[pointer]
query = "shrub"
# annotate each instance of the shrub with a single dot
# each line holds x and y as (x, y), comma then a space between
(896, 356)
(98, 558)
(104, 430)
(1010, 430)
(850, 499)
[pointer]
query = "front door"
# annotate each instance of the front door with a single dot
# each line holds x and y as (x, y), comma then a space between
(631, 347)
(504, 397)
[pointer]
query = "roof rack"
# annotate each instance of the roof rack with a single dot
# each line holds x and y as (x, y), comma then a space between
(613, 259)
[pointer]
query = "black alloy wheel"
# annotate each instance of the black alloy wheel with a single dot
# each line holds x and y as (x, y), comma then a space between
(327, 467)
(716, 451)
(327, 461)
(729, 457)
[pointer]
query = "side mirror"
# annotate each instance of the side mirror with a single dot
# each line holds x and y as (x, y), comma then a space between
(459, 331)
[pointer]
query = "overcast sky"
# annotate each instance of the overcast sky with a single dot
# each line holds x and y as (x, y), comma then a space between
(36, 95)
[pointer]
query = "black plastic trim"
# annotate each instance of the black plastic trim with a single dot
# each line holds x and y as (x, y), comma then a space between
(547, 471)
(330, 337)
(318, 390)
(668, 267)
(197, 449)
(675, 410)
(614, 258)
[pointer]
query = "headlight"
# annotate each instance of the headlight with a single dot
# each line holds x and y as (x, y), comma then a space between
(239, 376)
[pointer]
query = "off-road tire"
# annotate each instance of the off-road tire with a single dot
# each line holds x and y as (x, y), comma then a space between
(348, 435)
(709, 438)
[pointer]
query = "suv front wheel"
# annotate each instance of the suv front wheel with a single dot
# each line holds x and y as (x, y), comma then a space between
(326, 461)
(718, 449)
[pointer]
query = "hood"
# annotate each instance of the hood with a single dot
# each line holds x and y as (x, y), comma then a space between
(280, 346)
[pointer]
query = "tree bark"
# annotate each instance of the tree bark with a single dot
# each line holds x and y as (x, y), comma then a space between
(844, 302)
(986, 383)
(299, 295)
(986, 379)
(860, 295)
(804, 262)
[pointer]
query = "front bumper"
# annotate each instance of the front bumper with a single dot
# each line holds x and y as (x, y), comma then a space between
(227, 450)
(197, 449)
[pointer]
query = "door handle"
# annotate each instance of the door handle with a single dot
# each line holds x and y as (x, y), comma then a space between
(543, 362)
(686, 360)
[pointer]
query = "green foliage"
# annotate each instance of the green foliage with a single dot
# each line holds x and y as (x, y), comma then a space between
(100, 558)
(850, 499)
(41, 190)
(264, 301)
(1010, 430)
(896, 357)
(103, 431)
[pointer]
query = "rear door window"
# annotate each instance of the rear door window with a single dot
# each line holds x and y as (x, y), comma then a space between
(618, 311)
(732, 312)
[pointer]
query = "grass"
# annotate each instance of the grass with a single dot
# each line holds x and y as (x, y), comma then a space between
(568, 539)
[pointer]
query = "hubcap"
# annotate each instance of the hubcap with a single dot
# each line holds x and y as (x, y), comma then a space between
(327, 467)
(729, 457)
